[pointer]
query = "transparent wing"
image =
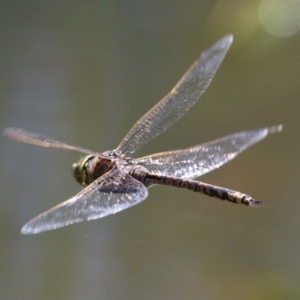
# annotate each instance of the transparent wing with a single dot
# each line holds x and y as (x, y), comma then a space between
(22, 135)
(173, 106)
(196, 161)
(107, 195)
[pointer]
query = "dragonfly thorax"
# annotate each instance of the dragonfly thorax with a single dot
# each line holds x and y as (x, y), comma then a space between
(91, 167)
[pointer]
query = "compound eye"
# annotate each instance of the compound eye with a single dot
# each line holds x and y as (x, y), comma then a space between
(79, 170)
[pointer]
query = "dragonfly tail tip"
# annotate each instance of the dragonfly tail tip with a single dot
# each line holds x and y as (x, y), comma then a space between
(254, 202)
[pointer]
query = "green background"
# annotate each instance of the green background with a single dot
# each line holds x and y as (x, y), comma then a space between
(83, 72)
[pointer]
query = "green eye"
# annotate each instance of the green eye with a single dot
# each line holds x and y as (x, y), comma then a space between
(79, 170)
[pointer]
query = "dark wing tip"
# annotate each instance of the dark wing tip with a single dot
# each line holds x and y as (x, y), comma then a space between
(276, 128)
(28, 230)
(229, 37)
(225, 41)
(9, 131)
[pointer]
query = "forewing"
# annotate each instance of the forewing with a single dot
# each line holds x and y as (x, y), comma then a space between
(196, 161)
(24, 136)
(107, 195)
(183, 96)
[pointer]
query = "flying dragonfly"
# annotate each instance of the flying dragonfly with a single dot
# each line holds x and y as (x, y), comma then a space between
(114, 181)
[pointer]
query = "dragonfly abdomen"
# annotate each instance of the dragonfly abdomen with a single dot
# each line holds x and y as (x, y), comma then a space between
(210, 190)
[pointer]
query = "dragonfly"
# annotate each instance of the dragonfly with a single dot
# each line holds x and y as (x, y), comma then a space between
(114, 181)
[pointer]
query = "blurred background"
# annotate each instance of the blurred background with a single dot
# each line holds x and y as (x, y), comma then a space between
(83, 72)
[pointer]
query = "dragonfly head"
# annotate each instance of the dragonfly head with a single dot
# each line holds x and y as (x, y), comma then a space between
(79, 170)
